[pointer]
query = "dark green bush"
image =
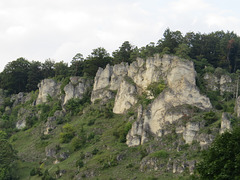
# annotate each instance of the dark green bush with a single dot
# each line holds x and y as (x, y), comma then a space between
(210, 117)
(122, 131)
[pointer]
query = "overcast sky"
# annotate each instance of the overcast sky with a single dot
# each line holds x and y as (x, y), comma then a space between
(59, 29)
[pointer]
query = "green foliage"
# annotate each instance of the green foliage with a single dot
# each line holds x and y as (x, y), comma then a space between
(122, 131)
(7, 159)
(143, 99)
(210, 117)
(67, 133)
(222, 159)
(129, 80)
(31, 120)
(75, 105)
(79, 163)
(156, 88)
(160, 154)
(65, 81)
(47, 176)
(78, 142)
(123, 54)
(183, 51)
(108, 161)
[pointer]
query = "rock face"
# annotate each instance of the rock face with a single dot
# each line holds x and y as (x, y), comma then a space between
(222, 83)
(191, 131)
(180, 78)
(76, 88)
(20, 98)
(225, 123)
(23, 114)
(237, 107)
(126, 97)
(108, 80)
(47, 87)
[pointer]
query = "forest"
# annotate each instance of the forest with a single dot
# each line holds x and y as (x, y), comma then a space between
(216, 49)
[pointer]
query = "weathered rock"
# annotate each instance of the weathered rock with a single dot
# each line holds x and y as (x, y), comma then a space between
(212, 82)
(223, 83)
(47, 87)
(20, 98)
(152, 163)
(205, 140)
(192, 166)
(108, 80)
(50, 125)
(139, 131)
(50, 152)
(180, 78)
(225, 123)
(23, 114)
(237, 107)
(190, 131)
(126, 97)
(76, 88)
(64, 155)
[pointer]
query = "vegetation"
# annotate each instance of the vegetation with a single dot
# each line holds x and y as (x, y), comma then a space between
(221, 160)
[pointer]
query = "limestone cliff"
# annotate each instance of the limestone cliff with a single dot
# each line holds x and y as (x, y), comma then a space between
(134, 79)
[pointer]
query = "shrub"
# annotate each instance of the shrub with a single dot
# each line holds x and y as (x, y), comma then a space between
(160, 154)
(78, 142)
(156, 88)
(222, 159)
(67, 133)
(79, 163)
(210, 117)
(122, 131)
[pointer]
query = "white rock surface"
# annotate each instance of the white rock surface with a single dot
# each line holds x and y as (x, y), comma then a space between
(225, 123)
(47, 87)
(76, 88)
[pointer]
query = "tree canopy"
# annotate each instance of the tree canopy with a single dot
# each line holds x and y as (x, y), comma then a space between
(216, 49)
(222, 160)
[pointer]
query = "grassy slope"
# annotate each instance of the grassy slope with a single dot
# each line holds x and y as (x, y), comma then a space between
(31, 150)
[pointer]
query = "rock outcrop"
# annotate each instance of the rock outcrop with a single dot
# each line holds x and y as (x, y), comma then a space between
(225, 123)
(237, 107)
(107, 81)
(180, 78)
(47, 87)
(76, 88)
(222, 83)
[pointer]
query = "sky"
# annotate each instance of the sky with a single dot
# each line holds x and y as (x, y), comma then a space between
(59, 29)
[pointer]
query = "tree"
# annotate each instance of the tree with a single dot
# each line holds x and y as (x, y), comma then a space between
(171, 40)
(77, 65)
(15, 76)
(7, 158)
(34, 76)
(61, 70)
(222, 160)
(123, 54)
(98, 58)
(183, 51)
(48, 68)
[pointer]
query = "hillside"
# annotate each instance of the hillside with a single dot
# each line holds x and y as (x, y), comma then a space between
(144, 120)
(164, 111)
